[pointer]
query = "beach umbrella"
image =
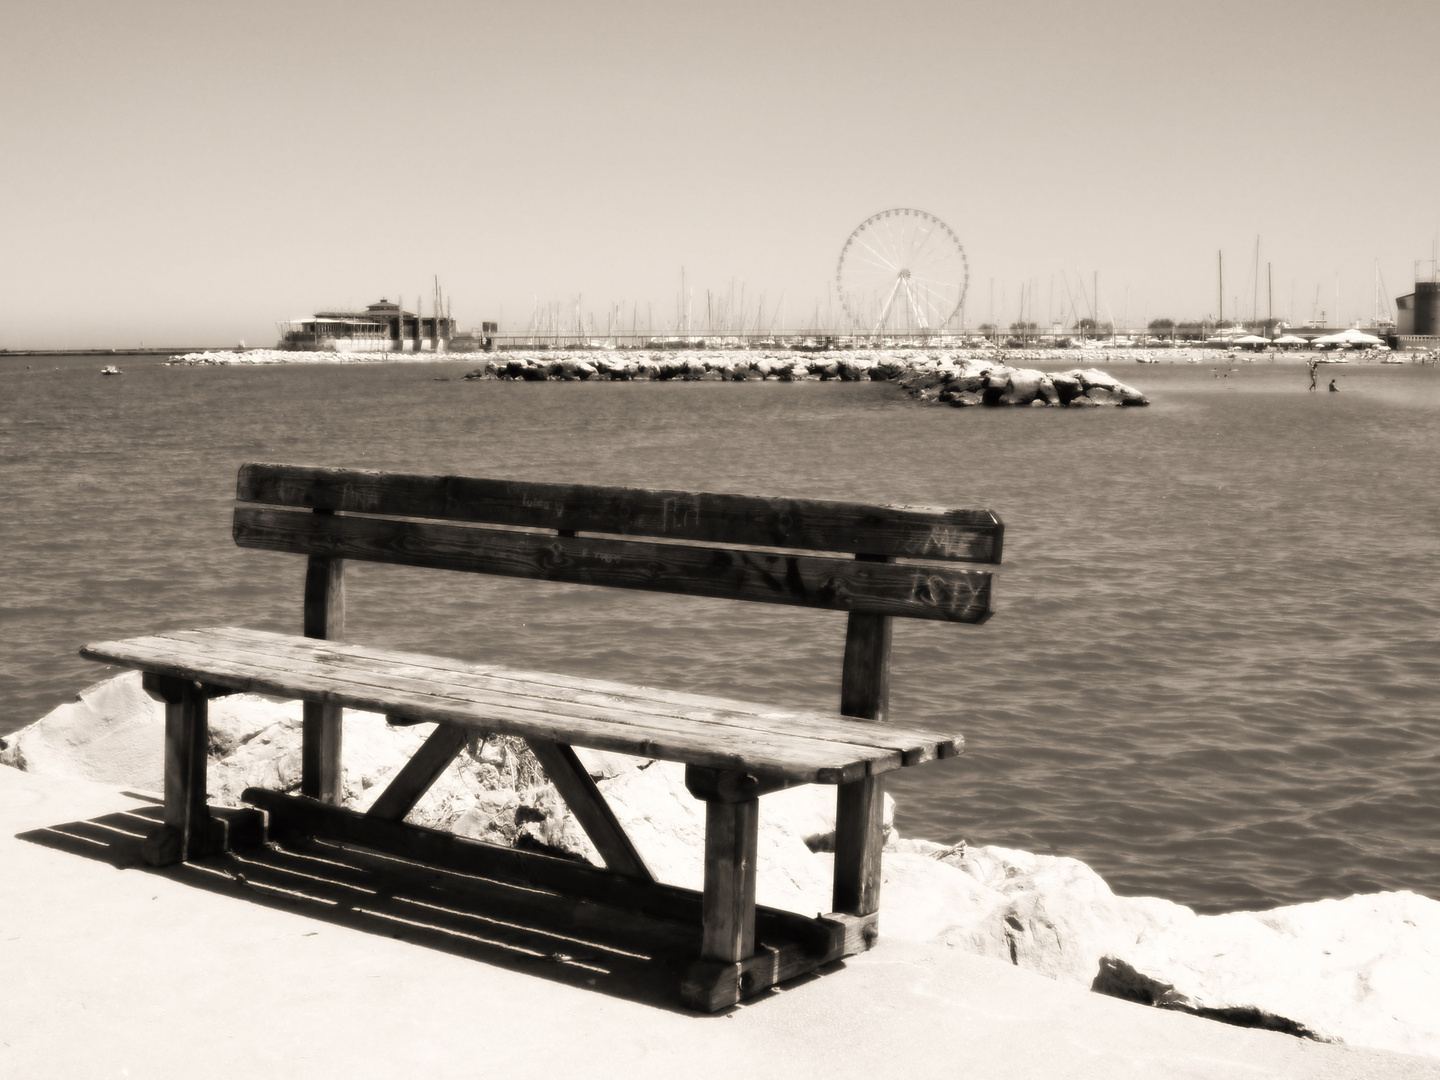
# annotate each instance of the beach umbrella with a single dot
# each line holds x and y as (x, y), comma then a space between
(1346, 338)
(1251, 341)
(1289, 339)
(1358, 337)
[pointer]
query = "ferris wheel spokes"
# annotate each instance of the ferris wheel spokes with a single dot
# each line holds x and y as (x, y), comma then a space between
(912, 260)
(889, 300)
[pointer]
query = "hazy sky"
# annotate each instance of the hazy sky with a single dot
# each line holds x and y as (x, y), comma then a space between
(178, 173)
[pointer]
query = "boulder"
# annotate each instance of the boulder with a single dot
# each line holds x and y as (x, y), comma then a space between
(1021, 387)
(808, 812)
(112, 733)
(1067, 387)
(967, 380)
(1362, 970)
(1111, 390)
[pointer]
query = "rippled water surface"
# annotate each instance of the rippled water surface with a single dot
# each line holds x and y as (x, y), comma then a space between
(1212, 673)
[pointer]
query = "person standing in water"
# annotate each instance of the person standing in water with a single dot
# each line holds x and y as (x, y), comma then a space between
(1312, 365)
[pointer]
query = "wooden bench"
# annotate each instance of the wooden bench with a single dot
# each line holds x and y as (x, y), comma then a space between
(873, 562)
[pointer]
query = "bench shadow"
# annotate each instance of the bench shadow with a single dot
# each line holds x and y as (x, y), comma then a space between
(585, 945)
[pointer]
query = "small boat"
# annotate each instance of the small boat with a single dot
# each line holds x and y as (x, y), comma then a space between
(111, 369)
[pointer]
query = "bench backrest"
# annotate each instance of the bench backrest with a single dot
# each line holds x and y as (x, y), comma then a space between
(732, 546)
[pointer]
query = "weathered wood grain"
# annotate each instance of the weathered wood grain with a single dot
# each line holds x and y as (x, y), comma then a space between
(820, 750)
(715, 785)
(322, 729)
(731, 833)
(591, 810)
(712, 985)
(911, 590)
(187, 829)
(347, 679)
(813, 524)
(859, 841)
(553, 693)
(420, 772)
(293, 816)
(859, 806)
(475, 898)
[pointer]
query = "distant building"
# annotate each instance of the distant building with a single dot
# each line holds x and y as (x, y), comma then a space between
(1419, 312)
(478, 338)
(383, 326)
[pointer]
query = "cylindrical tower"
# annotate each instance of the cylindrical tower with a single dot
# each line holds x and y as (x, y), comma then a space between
(1427, 307)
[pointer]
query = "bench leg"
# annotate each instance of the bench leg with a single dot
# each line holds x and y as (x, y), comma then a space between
(320, 770)
(189, 831)
(719, 978)
(320, 775)
(731, 836)
(859, 839)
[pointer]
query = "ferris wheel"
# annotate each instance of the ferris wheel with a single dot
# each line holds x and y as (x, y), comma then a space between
(902, 271)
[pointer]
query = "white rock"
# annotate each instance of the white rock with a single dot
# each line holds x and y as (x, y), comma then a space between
(667, 825)
(603, 764)
(1363, 970)
(112, 733)
(1022, 386)
(808, 812)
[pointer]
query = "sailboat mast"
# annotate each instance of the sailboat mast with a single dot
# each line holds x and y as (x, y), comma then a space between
(1255, 290)
(1270, 304)
(1220, 255)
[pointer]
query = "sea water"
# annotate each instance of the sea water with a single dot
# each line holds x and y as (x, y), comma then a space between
(1213, 669)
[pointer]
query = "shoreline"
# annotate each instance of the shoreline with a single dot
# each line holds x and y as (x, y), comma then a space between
(113, 968)
(718, 358)
(1364, 969)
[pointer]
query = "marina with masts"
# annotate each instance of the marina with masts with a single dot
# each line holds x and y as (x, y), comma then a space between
(901, 281)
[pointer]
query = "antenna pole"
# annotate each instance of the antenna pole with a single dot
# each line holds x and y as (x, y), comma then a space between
(1255, 293)
(1220, 255)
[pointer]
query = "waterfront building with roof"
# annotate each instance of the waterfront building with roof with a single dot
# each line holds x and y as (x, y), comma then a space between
(384, 326)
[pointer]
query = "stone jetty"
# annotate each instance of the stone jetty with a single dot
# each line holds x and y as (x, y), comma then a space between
(1363, 970)
(958, 379)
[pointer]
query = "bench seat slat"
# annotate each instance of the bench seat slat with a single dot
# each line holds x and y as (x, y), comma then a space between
(564, 692)
(814, 524)
(350, 678)
(535, 691)
(926, 592)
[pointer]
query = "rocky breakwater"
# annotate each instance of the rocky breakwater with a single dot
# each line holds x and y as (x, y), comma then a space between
(730, 366)
(992, 382)
(1363, 970)
(958, 378)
